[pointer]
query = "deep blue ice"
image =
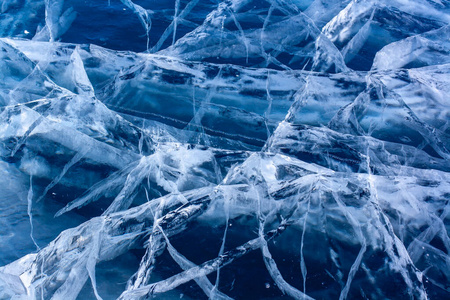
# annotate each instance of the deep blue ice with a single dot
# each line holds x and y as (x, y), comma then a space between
(237, 149)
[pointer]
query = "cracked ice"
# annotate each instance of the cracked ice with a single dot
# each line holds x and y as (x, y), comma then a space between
(235, 149)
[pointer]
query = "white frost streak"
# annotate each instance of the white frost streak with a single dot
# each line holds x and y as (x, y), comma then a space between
(30, 211)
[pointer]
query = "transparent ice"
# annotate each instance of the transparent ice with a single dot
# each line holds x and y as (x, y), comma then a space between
(237, 149)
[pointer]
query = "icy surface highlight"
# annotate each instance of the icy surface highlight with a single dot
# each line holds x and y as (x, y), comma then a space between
(237, 149)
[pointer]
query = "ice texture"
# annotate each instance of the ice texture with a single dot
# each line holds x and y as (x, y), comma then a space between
(236, 149)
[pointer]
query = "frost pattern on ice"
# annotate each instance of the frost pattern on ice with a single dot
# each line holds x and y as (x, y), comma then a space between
(231, 149)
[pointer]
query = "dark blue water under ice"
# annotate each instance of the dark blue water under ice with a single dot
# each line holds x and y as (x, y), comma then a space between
(237, 149)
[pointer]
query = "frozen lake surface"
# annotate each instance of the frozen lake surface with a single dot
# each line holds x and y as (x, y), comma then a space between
(237, 149)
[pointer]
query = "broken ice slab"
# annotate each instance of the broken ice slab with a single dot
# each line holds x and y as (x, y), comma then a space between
(46, 146)
(101, 238)
(345, 152)
(256, 34)
(21, 80)
(348, 221)
(362, 29)
(427, 49)
(222, 100)
(355, 105)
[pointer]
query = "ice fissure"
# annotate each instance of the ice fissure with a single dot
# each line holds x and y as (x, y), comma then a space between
(236, 149)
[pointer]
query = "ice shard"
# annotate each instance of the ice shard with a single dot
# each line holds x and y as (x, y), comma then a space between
(235, 149)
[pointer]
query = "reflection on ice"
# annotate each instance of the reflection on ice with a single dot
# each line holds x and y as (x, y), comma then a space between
(236, 149)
